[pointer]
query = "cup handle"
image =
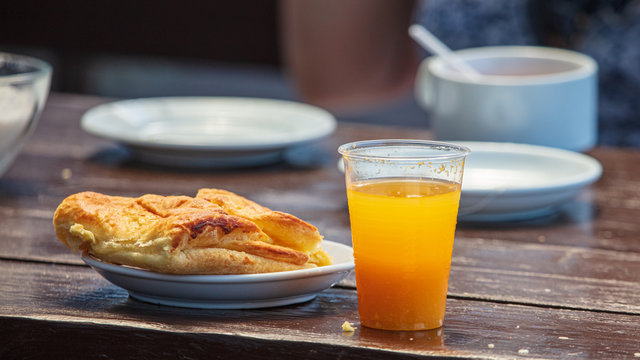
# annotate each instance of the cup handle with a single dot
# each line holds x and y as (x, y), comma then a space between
(425, 85)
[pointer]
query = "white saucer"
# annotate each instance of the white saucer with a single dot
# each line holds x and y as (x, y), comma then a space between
(229, 291)
(208, 131)
(509, 182)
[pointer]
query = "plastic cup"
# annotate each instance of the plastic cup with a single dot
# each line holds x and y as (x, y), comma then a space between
(403, 203)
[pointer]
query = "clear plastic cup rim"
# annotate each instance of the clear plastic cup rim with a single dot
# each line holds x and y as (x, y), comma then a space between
(440, 150)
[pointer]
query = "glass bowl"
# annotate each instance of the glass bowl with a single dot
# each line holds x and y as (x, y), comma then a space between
(24, 86)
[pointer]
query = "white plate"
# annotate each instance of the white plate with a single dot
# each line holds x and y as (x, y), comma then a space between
(208, 131)
(508, 182)
(229, 291)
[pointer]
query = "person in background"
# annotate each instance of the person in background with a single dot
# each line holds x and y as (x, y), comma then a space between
(354, 57)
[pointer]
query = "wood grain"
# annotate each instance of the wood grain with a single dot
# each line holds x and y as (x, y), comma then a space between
(560, 287)
(36, 298)
(498, 270)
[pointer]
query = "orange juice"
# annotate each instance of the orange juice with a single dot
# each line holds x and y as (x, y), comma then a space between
(402, 232)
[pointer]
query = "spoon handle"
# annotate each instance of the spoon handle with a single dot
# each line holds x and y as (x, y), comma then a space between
(432, 44)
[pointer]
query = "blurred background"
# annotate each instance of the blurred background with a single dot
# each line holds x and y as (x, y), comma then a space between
(121, 48)
(128, 49)
(131, 49)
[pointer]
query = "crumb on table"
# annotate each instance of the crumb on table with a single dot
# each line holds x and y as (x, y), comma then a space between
(348, 327)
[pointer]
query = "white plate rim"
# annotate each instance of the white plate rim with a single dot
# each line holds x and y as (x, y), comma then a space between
(226, 279)
(324, 122)
(593, 168)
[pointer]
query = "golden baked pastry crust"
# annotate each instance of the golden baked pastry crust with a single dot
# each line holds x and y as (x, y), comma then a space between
(174, 234)
(284, 229)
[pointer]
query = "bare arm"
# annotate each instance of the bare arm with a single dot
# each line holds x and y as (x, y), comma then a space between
(346, 54)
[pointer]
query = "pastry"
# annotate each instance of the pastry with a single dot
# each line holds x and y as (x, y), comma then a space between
(284, 229)
(186, 235)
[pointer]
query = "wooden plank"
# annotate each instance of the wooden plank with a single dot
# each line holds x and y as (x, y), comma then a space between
(546, 259)
(48, 309)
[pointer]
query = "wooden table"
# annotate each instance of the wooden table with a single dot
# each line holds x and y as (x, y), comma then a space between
(563, 287)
